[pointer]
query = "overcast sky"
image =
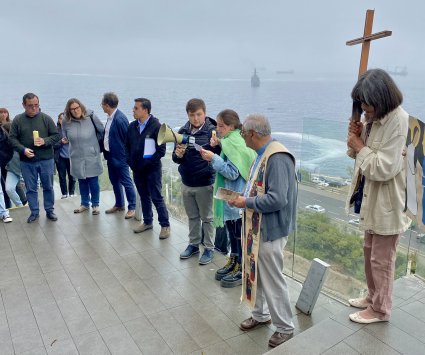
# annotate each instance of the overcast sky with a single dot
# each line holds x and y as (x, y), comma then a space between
(201, 37)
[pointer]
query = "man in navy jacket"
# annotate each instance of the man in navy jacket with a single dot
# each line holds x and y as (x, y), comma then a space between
(114, 141)
(144, 157)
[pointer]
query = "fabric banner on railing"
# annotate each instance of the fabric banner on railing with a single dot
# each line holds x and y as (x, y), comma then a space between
(415, 171)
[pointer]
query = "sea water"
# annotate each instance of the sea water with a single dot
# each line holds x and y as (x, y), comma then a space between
(308, 113)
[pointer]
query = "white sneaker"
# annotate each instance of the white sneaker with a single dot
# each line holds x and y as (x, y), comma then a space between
(7, 219)
(64, 196)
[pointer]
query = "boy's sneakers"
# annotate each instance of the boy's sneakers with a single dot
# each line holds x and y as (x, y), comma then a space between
(6, 219)
(206, 257)
(189, 251)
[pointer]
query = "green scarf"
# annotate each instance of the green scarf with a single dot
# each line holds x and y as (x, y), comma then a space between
(233, 148)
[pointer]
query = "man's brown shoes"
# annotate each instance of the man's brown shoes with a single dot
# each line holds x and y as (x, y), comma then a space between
(275, 340)
(114, 209)
(130, 214)
(279, 338)
(142, 228)
(165, 233)
(251, 323)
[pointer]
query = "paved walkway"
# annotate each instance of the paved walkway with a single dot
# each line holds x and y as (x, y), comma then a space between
(89, 285)
(404, 334)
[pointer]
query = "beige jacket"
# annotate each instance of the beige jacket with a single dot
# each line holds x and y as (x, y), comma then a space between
(383, 165)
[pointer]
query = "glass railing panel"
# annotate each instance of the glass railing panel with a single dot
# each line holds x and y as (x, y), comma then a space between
(415, 252)
(329, 234)
(171, 186)
(325, 231)
(104, 182)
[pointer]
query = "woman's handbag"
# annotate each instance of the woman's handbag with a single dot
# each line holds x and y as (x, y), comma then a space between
(99, 135)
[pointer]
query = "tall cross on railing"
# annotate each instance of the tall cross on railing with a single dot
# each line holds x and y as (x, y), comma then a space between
(366, 39)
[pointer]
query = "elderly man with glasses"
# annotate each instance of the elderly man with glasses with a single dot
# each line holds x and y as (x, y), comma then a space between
(33, 135)
(269, 201)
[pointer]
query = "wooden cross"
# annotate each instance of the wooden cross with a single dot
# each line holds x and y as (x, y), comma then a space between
(366, 39)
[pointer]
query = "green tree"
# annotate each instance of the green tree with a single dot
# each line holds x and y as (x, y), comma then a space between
(320, 237)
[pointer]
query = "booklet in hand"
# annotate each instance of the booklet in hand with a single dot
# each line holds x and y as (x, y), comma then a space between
(226, 194)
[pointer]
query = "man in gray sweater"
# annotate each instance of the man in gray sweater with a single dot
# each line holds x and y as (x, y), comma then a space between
(269, 201)
(33, 135)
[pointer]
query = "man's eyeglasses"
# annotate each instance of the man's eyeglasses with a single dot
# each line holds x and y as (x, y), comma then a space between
(243, 132)
(74, 108)
(33, 106)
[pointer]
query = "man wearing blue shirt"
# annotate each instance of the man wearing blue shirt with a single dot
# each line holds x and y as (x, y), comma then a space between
(114, 141)
(144, 157)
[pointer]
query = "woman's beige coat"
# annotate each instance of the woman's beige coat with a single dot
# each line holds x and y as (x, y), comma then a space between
(382, 163)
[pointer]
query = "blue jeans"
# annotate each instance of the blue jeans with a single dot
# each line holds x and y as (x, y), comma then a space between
(31, 171)
(120, 177)
(90, 191)
(11, 181)
(3, 210)
(149, 186)
(7, 202)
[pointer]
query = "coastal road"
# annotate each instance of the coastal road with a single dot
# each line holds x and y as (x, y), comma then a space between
(334, 204)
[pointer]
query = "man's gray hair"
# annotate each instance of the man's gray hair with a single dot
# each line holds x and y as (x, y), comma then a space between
(257, 123)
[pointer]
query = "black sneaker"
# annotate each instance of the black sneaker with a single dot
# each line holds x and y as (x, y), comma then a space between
(51, 216)
(32, 218)
(226, 269)
(234, 279)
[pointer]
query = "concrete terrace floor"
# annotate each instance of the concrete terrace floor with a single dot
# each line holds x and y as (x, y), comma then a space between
(89, 285)
(337, 335)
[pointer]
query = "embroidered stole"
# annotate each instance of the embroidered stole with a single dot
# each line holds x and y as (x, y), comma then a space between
(251, 225)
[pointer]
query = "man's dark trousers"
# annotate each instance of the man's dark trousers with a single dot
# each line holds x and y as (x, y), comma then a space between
(149, 186)
(120, 177)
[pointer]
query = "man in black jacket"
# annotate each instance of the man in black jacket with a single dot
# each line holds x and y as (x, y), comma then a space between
(198, 180)
(144, 158)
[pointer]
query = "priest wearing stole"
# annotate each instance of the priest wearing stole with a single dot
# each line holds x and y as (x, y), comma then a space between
(269, 201)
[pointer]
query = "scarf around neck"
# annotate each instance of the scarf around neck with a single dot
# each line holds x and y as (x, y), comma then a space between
(233, 148)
